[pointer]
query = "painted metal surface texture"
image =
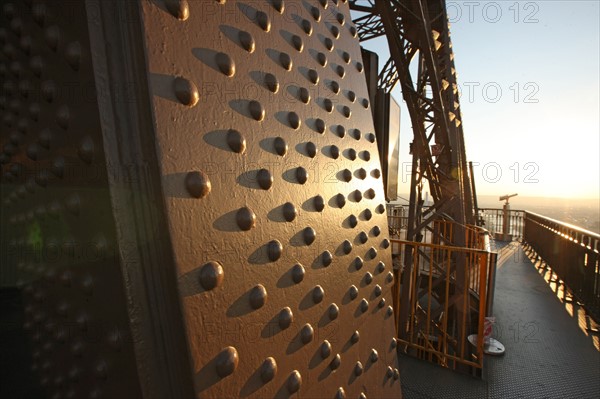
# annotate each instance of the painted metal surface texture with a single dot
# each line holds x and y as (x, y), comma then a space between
(275, 201)
(57, 224)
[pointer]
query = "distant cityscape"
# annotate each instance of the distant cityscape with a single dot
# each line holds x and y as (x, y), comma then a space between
(584, 213)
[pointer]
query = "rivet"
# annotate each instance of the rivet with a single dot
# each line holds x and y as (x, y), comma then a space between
(333, 311)
(271, 82)
(48, 90)
(390, 310)
(87, 285)
(389, 372)
(328, 105)
(376, 231)
(357, 196)
(318, 294)
(298, 273)
(381, 303)
(62, 116)
(309, 235)
(325, 349)
(364, 305)
(286, 317)
(37, 65)
(396, 374)
(380, 267)
(73, 55)
(372, 253)
(346, 111)
(286, 61)
(294, 382)
(279, 5)
(341, 131)
(41, 178)
(33, 151)
(258, 296)
(334, 151)
(358, 369)
(340, 394)
(376, 173)
(44, 138)
(307, 26)
(227, 361)
(335, 86)
(316, 14)
(319, 203)
(358, 263)
(297, 43)
(353, 220)
(326, 258)
(86, 150)
(186, 91)
(363, 237)
(355, 337)
(264, 178)
(335, 31)
(323, 3)
(246, 219)
(289, 211)
(294, 120)
(351, 154)
(353, 31)
(347, 247)
(225, 64)
(370, 193)
(306, 333)
(347, 175)
(274, 250)
(256, 110)
(377, 290)
(320, 125)
(197, 184)
(178, 8)
(268, 369)
(52, 35)
(328, 43)
(211, 275)
(247, 41)
(313, 76)
(368, 278)
(263, 21)
(346, 57)
(390, 277)
(362, 396)
(311, 149)
(365, 104)
(73, 204)
(394, 343)
(340, 200)
(280, 146)
(301, 175)
(385, 243)
(361, 173)
(304, 95)
(38, 11)
(340, 18)
(236, 141)
(335, 362)
(321, 59)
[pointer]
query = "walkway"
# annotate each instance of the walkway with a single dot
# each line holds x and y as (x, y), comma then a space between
(548, 354)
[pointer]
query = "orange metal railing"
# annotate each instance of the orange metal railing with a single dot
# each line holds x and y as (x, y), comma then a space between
(438, 313)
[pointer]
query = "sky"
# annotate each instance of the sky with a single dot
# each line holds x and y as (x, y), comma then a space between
(528, 73)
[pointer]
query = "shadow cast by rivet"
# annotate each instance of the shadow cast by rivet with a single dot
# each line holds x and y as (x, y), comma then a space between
(241, 306)
(207, 56)
(227, 222)
(295, 344)
(241, 107)
(248, 179)
(189, 283)
(162, 86)
(217, 139)
(253, 384)
(174, 186)
(316, 359)
(207, 376)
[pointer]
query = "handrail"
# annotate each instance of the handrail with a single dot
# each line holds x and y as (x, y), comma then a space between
(572, 253)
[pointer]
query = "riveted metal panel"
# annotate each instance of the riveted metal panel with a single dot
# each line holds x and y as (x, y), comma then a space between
(57, 224)
(275, 202)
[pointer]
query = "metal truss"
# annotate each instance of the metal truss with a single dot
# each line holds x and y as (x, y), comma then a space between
(420, 28)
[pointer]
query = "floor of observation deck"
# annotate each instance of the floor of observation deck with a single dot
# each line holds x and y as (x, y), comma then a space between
(549, 352)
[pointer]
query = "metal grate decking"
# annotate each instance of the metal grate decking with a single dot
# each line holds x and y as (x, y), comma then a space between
(549, 353)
